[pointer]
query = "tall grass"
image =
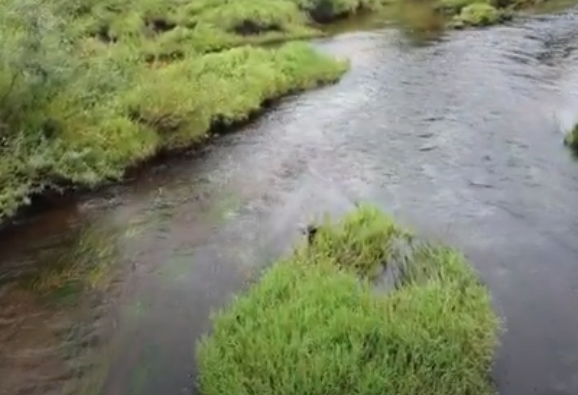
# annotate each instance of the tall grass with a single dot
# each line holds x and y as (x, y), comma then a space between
(90, 88)
(316, 324)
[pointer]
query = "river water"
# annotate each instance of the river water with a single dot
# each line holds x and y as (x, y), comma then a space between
(459, 138)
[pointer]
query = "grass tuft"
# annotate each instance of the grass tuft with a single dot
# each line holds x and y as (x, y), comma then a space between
(315, 324)
(571, 139)
(182, 100)
(478, 14)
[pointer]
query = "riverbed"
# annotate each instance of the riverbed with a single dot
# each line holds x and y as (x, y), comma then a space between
(460, 138)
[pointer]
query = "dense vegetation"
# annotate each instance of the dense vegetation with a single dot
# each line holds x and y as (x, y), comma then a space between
(364, 309)
(90, 88)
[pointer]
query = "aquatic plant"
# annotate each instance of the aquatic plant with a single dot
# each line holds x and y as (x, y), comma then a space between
(315, 323)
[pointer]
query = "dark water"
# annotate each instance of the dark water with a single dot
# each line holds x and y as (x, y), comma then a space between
(461, 139)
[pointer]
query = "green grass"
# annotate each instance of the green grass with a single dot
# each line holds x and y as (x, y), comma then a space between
(316, 324)
(478, 14)
(91, 88)
(571, 139)
(226, 86)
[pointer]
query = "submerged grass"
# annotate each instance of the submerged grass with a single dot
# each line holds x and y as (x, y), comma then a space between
(315, 324)
(88, 89)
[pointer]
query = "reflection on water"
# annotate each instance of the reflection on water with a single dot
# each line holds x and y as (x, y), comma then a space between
(421, 20)
(460, 138)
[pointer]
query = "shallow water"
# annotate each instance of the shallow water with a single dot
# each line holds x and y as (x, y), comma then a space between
(460, 139)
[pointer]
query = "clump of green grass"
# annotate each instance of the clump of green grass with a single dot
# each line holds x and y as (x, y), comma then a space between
(477, 14)
(247, 21)
(365, 241)
(315, 324)
(571, 139)
(182, 100)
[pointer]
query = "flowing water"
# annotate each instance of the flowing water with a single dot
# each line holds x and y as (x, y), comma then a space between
(459, 138)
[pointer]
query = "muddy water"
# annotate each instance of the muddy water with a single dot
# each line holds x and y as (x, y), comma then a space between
(460, 138)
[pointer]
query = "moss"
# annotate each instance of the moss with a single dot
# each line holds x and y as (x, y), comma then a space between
(314, 324)
(365, 241)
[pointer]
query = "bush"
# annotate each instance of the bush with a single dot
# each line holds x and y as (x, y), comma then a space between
(478, 14)
(314, 324)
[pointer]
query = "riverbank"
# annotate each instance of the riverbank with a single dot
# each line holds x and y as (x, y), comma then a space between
(89, 90)
(368, 308)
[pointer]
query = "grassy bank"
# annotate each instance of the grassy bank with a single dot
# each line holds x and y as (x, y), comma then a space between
(91, 88)
(317, 323)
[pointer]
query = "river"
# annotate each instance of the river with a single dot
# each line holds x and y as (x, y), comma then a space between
(461, 139)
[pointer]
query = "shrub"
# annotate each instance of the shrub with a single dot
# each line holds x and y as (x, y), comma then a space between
(314, 324)
(478, 14)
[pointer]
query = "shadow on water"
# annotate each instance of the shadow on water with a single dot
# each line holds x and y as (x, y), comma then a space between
(460, 138)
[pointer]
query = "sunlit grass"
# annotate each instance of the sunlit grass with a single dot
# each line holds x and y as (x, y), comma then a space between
(182, 100)
(315, 324)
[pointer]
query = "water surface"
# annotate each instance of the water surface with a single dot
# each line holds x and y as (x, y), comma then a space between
(460, 139)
